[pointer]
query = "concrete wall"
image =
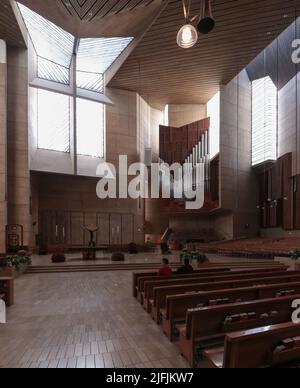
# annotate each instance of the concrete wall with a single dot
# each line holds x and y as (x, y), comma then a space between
(130, 123)
(17, 137)
(184, 114)
(3, 145)
(238, 183)
(289, 120)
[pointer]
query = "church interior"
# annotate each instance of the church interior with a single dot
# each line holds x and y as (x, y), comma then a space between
(149, 184)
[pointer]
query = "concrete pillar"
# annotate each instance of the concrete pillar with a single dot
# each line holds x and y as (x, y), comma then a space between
(3, 145)
(17, 139)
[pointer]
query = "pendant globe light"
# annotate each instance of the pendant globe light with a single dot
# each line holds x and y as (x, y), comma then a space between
(207, 22)
(187, 36)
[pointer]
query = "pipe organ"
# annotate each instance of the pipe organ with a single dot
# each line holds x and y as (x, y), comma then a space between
(189, 146)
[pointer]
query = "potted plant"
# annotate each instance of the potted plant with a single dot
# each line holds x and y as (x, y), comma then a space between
(118, 256)
(195, 256)
(58, 257)
(10, 263)
(295, 256)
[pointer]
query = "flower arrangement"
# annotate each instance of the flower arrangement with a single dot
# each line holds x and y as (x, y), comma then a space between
(200, 257)
(14, 262)
(58, 257)
(295, 255)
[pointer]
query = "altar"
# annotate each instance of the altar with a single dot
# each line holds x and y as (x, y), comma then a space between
(89, 253)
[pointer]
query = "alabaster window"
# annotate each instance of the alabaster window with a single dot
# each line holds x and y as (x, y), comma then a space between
(76, 70)
(264, 121)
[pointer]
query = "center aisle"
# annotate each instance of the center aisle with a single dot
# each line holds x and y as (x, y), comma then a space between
(82, 320)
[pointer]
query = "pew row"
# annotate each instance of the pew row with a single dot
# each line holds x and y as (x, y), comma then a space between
(149, 286)
(221, 271)
(263, 347)
(208, 325)
(177, 305)
(221, 267)
(160, 293)
(139, 279)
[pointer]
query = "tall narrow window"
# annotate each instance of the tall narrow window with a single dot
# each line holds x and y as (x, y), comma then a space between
(90, 128)
(264, 121)
(213, 111)
(53, 120)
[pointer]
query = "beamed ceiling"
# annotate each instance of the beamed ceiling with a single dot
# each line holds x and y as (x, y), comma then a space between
(164, 73)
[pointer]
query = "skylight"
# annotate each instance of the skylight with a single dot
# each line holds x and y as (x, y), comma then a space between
(97, 55)
(55, 47)
(50, 41)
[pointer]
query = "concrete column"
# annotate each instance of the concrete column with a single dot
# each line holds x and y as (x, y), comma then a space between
(3, 145)
(17, 137)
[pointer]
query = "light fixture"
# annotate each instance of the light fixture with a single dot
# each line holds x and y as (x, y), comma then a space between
(187, 36)
(207, 22)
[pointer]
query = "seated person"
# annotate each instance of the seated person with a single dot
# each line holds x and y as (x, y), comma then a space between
(186, 268)
(165, 269)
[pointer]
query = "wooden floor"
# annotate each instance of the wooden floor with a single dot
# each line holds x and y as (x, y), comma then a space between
(87, 320)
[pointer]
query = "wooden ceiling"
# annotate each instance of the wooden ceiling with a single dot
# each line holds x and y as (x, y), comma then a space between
(164, 73)
(98, 18)
(90, 9)
(9, 28)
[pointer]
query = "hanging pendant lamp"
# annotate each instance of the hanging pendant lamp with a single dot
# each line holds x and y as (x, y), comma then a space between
(187, 36)
(207, 22)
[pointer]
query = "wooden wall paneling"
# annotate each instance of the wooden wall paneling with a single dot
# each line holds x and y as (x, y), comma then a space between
(52, 228)
(68, 231)
(89, 219)
(62, 227)
(297, 203)
(287, 192)
(127, 229)
(273, 215)
(77, 225)
(103, 233)
(115, 229)
(265, 215)
(276, 176)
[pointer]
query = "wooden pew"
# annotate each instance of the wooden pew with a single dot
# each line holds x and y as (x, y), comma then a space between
(261, 347)
(7, 289)
(177, 305)
(142, 279)
(222, 267)
(208, 325)
(139, 281)
(161, 293)
(149, 286)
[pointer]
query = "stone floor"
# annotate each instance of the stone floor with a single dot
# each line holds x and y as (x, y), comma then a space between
(87, 320)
